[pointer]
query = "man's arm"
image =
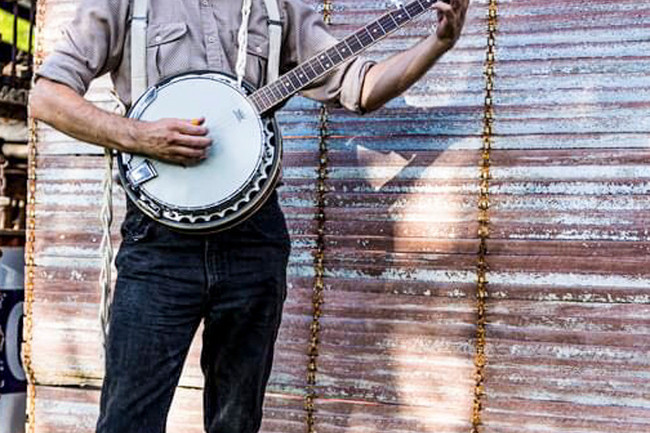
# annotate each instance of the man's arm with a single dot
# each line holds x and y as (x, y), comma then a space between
(389, 78)
(91, 46)
(179, 141)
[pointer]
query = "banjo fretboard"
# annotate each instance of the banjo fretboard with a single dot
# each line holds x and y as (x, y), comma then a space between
(292, 82)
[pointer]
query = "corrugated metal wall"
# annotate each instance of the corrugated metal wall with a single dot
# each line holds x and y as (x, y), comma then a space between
(569, 315)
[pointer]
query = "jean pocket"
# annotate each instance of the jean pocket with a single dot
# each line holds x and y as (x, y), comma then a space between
(270, 224)
(136, 227)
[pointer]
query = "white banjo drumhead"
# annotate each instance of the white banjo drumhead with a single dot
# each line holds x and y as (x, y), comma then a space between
(237, 137)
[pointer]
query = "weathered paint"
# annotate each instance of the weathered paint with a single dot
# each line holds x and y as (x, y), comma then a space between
(569, 250)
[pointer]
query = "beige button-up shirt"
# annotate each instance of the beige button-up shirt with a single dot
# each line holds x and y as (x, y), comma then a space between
(185, 35)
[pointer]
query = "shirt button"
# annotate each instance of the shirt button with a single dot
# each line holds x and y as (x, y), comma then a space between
(158, 38)
(205, 2)
(212, 39)
(258, 49)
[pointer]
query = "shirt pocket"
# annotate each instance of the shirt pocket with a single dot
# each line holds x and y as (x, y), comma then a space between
(257, 59)
(168, 52)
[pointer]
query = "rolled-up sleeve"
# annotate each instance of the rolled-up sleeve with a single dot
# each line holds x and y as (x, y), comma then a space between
(91, 45)
(306, 35)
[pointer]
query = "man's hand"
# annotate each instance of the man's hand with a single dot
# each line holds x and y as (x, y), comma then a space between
(173, 140)
(391, 77)
(451, 18)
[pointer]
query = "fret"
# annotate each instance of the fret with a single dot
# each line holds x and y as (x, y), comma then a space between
(266, 97)
(275, 90)
(399, 16)
(313, 73)
(316, 66)
(415, 8)
(376, 30)
(354, 44)
(261, 107)
(388, 23)
(325, 61)
(287, 84)
(346, 50)
(294, 80)
(406, 12)
(262, 97)
(333, 53)
(283, 89)
(365, 37)
(378, 22)
(254, 99)
(301, 76)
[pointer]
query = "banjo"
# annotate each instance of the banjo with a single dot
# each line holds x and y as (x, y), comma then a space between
(244, 163)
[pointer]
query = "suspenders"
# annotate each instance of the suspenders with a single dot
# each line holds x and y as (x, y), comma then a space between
(139, 50)
(275, 40)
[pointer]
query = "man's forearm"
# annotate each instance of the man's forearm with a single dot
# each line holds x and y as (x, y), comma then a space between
(62, 108)
(180, 141)
(390, 78)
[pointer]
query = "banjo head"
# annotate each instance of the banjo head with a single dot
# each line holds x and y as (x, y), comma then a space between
(225, 188)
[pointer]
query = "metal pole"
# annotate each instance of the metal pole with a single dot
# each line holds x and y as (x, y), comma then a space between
(14, 47)
(30, 56)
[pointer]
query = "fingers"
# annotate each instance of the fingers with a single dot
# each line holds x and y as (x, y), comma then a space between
(190, 136)
(187, 155)
(447, 11)
(191, 127)
(192, 141)
(451, 18)
(442, 6)
(180, 141)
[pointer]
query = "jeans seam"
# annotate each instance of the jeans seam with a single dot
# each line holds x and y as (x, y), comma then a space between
(206, 269)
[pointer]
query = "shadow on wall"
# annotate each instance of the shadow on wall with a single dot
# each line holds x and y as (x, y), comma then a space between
(402, 249)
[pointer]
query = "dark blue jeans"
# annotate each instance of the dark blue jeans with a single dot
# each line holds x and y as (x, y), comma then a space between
(167, 283)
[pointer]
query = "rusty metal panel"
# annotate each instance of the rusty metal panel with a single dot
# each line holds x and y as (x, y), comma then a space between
(568, 336)
(570, 288)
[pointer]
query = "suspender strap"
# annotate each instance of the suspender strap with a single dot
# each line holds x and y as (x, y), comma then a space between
(138, 49)
(275, 40)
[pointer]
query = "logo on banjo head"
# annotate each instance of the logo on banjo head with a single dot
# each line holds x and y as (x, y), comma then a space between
(239, 114)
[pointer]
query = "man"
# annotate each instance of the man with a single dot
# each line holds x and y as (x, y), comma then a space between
(234, 280)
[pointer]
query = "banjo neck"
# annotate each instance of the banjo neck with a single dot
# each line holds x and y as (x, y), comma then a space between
(273, 94)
